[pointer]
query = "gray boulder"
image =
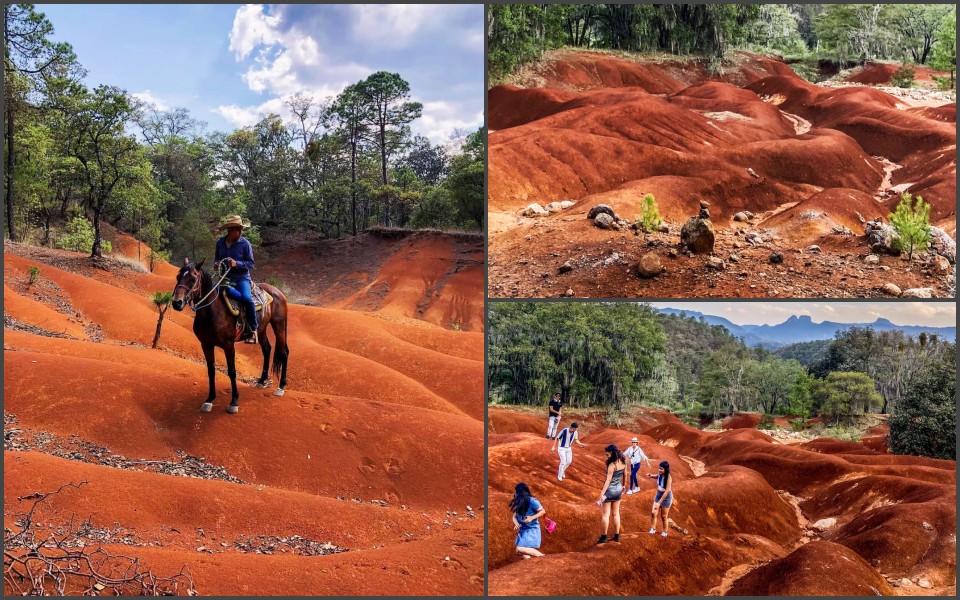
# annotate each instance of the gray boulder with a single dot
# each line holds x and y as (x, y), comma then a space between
(942, 244)
(882, 238)
(697, 235)
(601, 209)
(534, 210)
(605, 221)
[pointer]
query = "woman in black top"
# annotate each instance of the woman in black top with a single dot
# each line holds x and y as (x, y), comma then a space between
(612, 493)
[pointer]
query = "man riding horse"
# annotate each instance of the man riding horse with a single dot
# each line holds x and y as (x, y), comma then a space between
(216, 324)
(237, 252)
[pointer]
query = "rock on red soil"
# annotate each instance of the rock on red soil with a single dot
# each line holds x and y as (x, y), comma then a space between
(811, 163)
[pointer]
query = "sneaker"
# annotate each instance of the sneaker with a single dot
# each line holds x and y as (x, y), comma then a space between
(616, 537)
(559, 477)
(629, 492)
(548, 437)
(664, 534)
(252, 339)
(653, 531)
(602, 539)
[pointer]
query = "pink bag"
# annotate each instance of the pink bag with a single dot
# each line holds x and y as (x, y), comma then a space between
(550, 525)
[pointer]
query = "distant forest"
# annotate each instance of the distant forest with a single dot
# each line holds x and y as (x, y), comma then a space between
(842, 33)
(613, 355)
(76, 157)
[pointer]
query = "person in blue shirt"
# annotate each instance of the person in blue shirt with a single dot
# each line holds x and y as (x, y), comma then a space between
(526, 511)
(237, 252)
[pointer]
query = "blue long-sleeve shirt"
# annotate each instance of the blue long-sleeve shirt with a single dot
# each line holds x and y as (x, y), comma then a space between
(242, 252)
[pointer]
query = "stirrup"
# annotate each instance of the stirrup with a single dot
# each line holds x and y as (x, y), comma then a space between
(251, 339)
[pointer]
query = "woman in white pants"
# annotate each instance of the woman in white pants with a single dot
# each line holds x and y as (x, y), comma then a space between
(564, 444)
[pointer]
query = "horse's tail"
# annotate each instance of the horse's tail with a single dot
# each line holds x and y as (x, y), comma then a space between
(280, 352)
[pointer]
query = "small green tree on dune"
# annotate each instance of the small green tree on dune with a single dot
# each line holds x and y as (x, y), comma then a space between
(911, 221)
(161, 301)
(650, 219)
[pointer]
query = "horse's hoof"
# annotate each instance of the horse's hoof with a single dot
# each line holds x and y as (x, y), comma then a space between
(279, 392)
(262, 384)
(232, 409)
(206, 407)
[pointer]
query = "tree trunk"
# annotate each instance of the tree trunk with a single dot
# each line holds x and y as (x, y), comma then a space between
(353, 184)
(9, 171)
(156, 335)
(97, 250)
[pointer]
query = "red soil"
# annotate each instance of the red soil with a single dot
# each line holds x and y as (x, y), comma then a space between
(804, 159)
(433, 276)
(381, 413)
(748, 505)
(741, 421)
(882, 73)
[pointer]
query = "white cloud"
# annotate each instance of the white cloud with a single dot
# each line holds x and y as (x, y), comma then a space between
(251, 28)
(245, 116)
(288, 60)
(440, 120)
(149, 98)
(391, 24)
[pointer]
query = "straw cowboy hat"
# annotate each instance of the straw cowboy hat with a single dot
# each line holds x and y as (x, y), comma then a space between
(634, 440)
(234, 221)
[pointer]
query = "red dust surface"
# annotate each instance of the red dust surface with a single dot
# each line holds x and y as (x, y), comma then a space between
(810, 162)
(376, 447)
(752, 516)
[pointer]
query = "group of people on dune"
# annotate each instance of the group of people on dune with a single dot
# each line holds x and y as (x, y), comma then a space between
(527, 511)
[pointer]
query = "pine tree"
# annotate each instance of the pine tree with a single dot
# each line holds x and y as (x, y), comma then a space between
(911, 221)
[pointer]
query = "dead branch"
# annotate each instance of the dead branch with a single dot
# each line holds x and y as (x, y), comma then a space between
(61, 562)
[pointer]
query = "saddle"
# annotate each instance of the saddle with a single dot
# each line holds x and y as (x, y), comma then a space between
(261, 300)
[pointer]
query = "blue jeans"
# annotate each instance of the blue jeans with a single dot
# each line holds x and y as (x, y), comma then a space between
(242, 292)
(633, 476)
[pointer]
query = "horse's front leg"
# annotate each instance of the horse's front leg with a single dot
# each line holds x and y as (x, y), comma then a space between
(208, 354)
(230, 353)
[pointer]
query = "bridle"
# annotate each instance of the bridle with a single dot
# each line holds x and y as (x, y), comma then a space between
(196, 305)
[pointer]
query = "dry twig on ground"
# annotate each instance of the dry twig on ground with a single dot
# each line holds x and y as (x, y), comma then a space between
(63, 561)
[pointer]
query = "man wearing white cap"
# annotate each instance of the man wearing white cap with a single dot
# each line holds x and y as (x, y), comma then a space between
(635, 454)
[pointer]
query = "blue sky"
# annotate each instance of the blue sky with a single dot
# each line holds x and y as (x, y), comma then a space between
(931, 314)
(229, 64)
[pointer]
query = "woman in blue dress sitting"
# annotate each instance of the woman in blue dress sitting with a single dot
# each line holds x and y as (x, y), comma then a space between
(527, 511)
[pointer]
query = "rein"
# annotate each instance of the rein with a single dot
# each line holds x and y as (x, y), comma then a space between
(196, 305)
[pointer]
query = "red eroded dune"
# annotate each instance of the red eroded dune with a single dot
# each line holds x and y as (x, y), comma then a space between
(831, 569)
(382, 412)
(811, 163)
(434, 276)
(752, 516)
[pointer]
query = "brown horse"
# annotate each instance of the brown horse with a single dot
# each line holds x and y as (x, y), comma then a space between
(216, 327)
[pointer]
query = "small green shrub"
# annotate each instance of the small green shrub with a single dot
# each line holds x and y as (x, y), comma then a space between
(839, 432)
(944, 84)
(650, 219)
(911, 221)
(34, 273)
(807, 70)
(765, 422)
(77, 236)
(903, 77)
